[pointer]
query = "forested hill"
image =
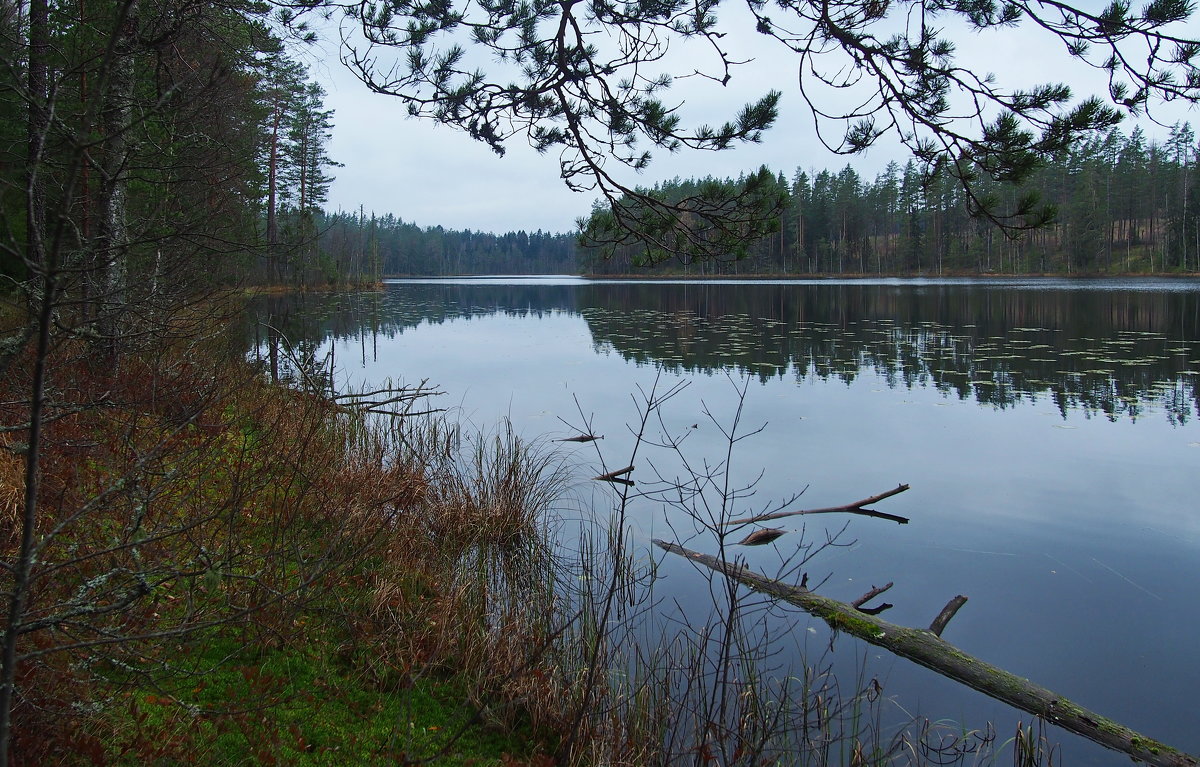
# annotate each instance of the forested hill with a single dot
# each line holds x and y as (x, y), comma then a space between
(1122, 204)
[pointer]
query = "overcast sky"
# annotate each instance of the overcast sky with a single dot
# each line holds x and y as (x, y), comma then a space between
(432, 175)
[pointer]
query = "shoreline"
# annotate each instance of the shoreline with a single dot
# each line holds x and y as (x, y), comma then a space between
(886, 276)
(656, 277)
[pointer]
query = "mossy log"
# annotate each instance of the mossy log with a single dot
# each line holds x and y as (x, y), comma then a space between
(925, 647)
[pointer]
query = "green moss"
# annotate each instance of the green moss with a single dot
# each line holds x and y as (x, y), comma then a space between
(294, 708)
(852, 625)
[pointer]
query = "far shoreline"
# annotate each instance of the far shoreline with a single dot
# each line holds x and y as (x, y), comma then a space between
(663, 277)
(885, 276)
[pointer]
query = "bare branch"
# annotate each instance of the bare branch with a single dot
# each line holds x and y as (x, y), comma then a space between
(948, 612)
(850, 508)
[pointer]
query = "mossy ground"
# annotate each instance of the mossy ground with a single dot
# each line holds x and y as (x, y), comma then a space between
(295, 707)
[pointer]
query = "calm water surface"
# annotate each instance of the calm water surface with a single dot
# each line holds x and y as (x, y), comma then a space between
(1048, 430)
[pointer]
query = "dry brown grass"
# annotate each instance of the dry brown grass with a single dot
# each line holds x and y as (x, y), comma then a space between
(493, 493)
(12, 487)
(463, 584)
(287, 520)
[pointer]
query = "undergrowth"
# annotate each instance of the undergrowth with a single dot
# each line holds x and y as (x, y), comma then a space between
(233, 572)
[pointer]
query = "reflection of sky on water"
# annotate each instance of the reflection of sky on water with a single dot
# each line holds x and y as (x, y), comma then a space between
(1073, 533)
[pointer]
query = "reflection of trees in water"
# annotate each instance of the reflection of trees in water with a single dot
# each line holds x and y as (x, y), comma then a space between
(1114, 352)
(1104, 351)
(389, 312)
(287, 329)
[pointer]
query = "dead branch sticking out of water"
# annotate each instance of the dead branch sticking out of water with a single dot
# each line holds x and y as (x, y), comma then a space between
(392, 400)
(858, 507)
(616, 476)
(874, 592)
(939, 623)
(581, 438)
(927, 648)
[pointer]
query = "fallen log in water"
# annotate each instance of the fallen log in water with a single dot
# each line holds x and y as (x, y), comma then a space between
(926, 647)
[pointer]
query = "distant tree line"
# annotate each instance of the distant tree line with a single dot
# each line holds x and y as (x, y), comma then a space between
(358, 245)
(1120, 204)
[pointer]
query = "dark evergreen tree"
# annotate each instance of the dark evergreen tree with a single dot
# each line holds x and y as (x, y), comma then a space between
(1181, 150)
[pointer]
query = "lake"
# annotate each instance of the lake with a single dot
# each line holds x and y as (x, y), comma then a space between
(1048, 430)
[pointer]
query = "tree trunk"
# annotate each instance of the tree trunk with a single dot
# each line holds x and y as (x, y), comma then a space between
(276, 272)
(926, 648)
(40, 266)
(112, 240)
(38, 125)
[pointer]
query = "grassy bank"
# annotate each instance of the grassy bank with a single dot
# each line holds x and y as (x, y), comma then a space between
(232, 572)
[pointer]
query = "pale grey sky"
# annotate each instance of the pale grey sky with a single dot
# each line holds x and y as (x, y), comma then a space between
(432, 175)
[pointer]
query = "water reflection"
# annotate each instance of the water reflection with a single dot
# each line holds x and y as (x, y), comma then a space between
(1114, 349)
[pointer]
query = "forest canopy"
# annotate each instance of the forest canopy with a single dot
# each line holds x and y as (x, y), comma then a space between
(1121, 204)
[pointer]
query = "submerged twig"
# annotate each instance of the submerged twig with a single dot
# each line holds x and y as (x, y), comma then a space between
(581, 438)
(615, 476)
(876, 610)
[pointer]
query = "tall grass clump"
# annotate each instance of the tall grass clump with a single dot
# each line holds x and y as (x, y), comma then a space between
(461, 585)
